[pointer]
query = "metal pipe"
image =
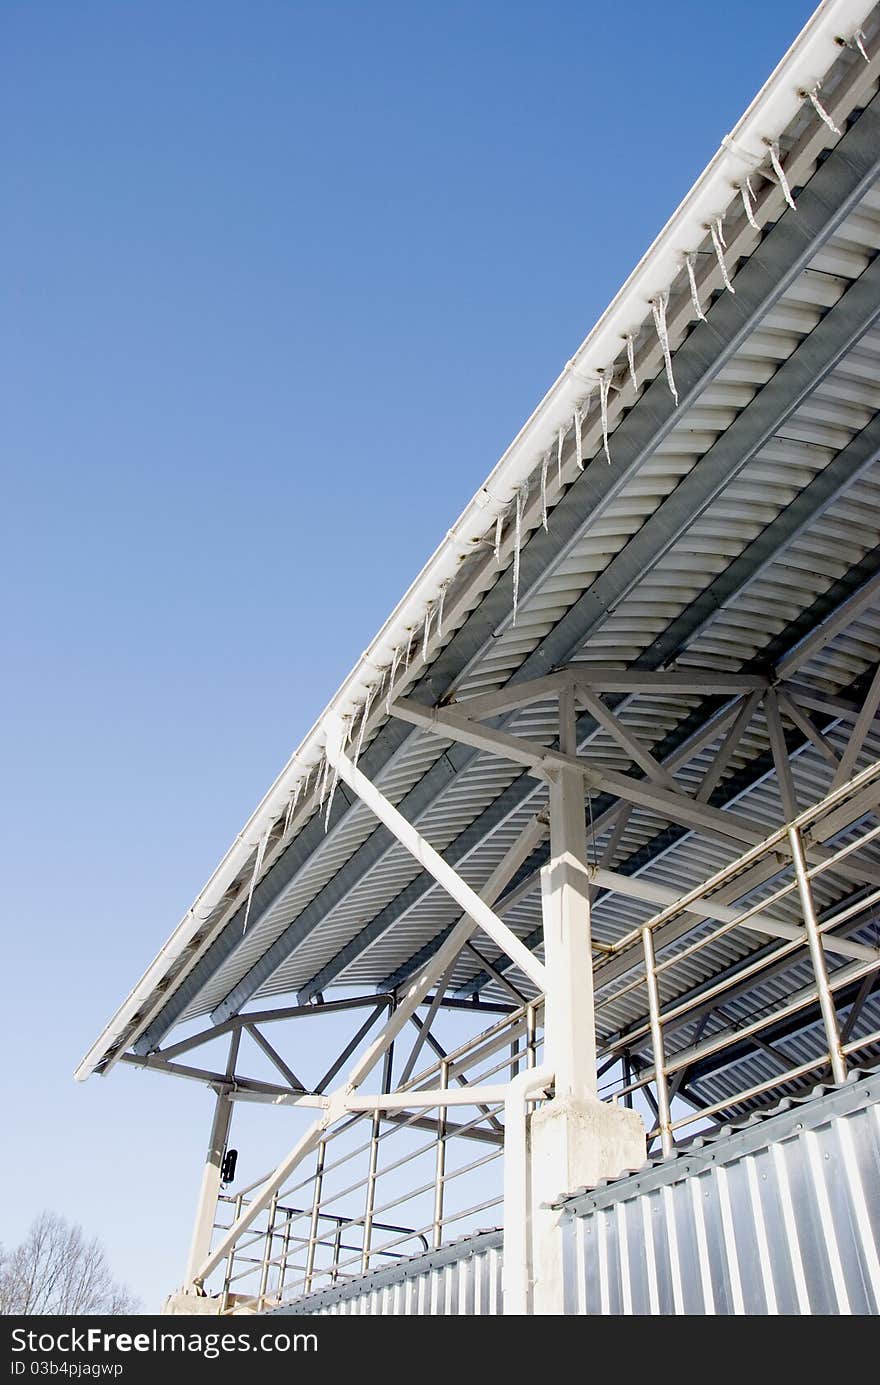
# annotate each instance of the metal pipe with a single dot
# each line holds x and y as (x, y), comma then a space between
(267, 1253)
(440, 1165)
(230, 1262)
(316, 1207)
(517, 1272)
(337, 1246)
(663, 1116)
(370, 1199)
(402, 1101)
(285, 1251)
(817, 957)
(735, 868)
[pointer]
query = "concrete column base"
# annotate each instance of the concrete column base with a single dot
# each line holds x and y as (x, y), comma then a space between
(181, 1303)
(574, 1143)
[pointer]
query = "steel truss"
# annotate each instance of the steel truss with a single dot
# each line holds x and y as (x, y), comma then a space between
(786, 248)
(592, 1019)
(556, 1016)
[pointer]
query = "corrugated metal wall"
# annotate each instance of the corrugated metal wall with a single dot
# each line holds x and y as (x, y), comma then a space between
(781, 1215)
(461, 1280)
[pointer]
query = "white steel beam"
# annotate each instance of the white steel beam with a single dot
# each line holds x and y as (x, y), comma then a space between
(781, 761)
(420, 1097)
(274, 1057)
(424, 1028)
(638, 753)
(728, 746)
(807, 727)
(542, 762)
(536, 758)
(767, 925)
(515, 695)
(860, 731)
(410, 838)
(677, 807)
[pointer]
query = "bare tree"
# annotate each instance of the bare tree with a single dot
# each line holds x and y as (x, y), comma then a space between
(56, 1270)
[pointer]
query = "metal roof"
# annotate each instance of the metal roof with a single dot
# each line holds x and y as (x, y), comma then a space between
(728, 525)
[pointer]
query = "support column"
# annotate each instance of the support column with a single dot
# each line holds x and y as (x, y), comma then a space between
(210, 1189)
(569, 1027)
(575, 1140)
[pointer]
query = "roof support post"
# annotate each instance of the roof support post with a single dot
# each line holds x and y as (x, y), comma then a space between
(574, 1139)
(570, 1035)
(209, 1193)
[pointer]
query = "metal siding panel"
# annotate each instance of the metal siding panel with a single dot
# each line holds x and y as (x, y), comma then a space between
(792, 1227)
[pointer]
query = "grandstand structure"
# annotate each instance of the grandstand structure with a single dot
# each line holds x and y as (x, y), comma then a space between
(584, 855)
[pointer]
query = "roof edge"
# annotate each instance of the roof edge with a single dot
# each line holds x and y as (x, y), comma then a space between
(777, 103)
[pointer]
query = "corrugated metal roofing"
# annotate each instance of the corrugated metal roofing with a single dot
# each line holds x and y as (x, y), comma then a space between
(350, 907)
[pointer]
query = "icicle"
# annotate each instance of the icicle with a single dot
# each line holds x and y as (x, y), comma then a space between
(631, 358)
(604, 387)
(748, 200)
(560, 439)
(426, 633)
(521, 497)
(499, 526)
(858, 41)
(820, 109)
(395, 660)
(331, 796)
(364, 719)
(257, 866)
(579, 416)
(291, 807)
(440, 604)
(409, 643)
(658, 307)
(690, 260)
(545, 462)
(719, 243)
(348, 722)
(323, 789)
(316, 769)
(305, 785)
(780, 174)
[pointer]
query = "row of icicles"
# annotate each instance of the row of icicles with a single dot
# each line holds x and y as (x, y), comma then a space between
(321, 778)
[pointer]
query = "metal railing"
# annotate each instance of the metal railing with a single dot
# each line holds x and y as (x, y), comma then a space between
(834, 963)
(385, 1185)
(330, 1223)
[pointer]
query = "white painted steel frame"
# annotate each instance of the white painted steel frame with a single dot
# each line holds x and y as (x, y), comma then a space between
(777, 103)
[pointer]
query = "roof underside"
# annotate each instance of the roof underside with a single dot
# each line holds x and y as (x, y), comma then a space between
(725, 529)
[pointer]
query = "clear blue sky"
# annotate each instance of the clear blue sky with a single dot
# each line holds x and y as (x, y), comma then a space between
(281, 280)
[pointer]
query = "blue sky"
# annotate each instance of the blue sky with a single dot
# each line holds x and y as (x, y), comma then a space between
(281, 281)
